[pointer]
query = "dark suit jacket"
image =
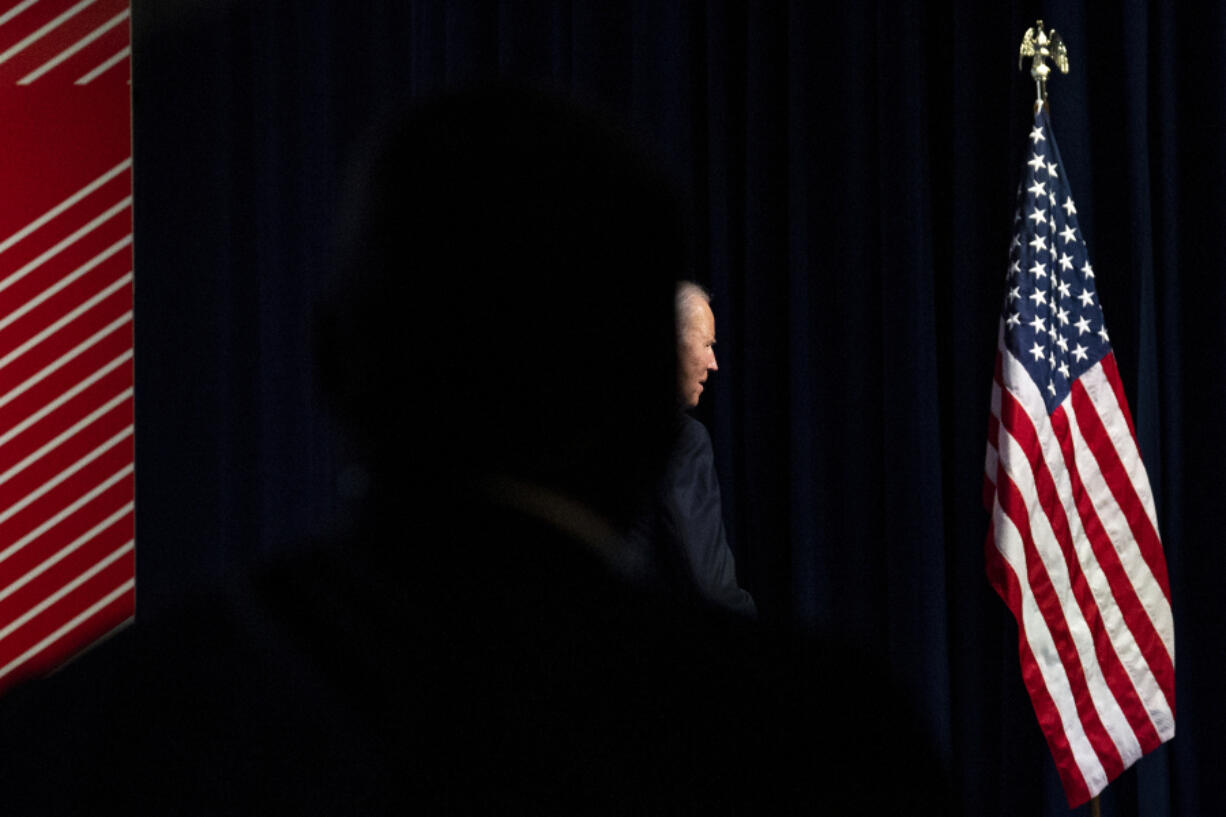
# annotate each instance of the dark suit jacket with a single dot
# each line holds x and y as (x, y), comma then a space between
(691, 521)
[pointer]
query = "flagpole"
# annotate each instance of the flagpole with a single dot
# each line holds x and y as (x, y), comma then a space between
(1094, 810)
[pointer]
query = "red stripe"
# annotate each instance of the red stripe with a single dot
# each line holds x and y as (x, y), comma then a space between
(1003, 579)
(1048, 602)
(1121, 486)
(1111, 370)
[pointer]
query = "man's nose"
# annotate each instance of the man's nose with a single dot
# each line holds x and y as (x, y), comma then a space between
(712, 365)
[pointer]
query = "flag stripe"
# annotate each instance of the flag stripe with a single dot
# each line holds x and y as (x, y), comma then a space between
(110, 62)
(74, 48)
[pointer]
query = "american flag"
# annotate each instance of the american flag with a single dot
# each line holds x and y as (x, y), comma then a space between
(1073, 547)
(67, 513)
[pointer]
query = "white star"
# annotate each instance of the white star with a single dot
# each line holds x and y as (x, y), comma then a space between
(1062, 314)
(1037, 351)
(1038, 188)
(1051, 387)
(1038, 270)
(1039, 297)
(1079, 352)
(1051, 360)
(1087, 270)
(1036, 161)
(1039, 217)
(1013, 320)
(1015, 267)
(1039, 243)
(1062, 343)
(1053, 333)
(1052, 198)
(1069, 208)
(1039, 324)
(1068, 233)
(1102, 333)
(1066, 261)
(1016, 243)
(1082, 325)
(1063, 369)
(1051, 170)
(1063, 287)
(1037, 135)
(1014, 294)
(1086, 297)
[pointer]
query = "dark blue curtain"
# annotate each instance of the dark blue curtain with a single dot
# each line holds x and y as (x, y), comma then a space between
(849, 174)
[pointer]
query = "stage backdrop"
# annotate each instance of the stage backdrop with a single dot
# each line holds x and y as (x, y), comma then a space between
(67, 566)
(851, 171)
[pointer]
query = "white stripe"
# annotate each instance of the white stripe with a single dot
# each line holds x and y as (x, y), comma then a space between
(74, 48)
(50, 485)
(66, 551)
(65, 204)
(1115, 525)
(101, 69)
(59, 517)
(66, 434)
(992, 457)
(16, 623)
(15, 10)
(37, 35)
(72, 239)
(64, 321)
(1043, 648)
(1102, 395)
(67, 627)
(64, 397)
(1017, 465)
(65, 359)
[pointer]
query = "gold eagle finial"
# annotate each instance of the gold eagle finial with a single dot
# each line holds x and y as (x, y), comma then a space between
(1041, 46)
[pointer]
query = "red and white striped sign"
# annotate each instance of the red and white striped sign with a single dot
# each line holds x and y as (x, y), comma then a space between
(67, 490)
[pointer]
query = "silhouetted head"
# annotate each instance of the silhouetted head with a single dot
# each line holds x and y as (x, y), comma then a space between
(506, 306)
(695, 342)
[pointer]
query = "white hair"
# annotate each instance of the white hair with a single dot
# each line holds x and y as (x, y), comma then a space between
(689, 296)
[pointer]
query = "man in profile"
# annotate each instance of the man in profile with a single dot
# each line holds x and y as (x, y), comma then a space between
(690, 508)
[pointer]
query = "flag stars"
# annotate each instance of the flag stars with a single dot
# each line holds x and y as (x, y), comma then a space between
(1014, 294)
(1082, 325)
(1038, 324)
(1069, 208)
(1038, 270)
(1102, 333)
(1063, 287)
(1066, 261)
(1062, 316)
(1062, 342)
(1087, 271)
(1038, 217)
(1063, 369)
(1051, 387)
(1051, 360)
(1036, 162)
(1068, 233)
(1039, 243)
(1036, 134)
(1016, 267)
(1016, 243)
(1013, 320)
(1053, 333)
(1079, 352)
(1037, 351)
(1038, 188)
(1039, 297)
(1051, 170)
(1086, 297)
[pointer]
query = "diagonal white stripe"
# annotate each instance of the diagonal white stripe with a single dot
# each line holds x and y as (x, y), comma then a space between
(66, 434)
(66, 551)
(15, 10)
(72, 508)
(102, 69)
(16, 623)
(72, 239)
(68, 627)
(65, 204)
(65, 397)
(74, 48)
(1108, 408)
(50, 485)
(51, 368)
(37, 35)
(64, 321)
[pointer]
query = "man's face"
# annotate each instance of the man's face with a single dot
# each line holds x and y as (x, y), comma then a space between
(696, 352)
